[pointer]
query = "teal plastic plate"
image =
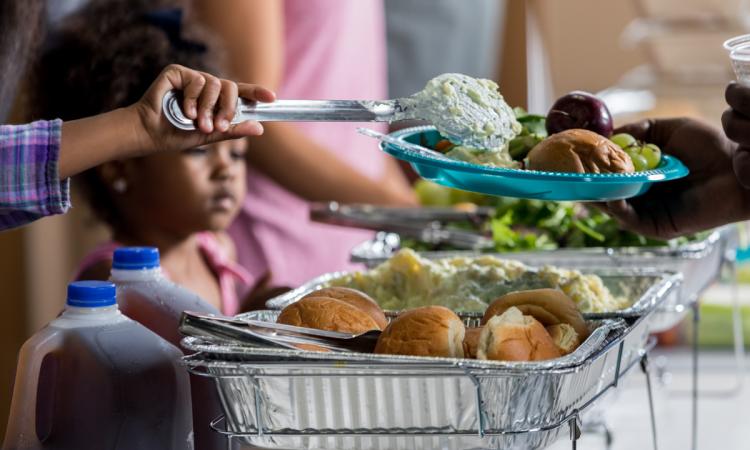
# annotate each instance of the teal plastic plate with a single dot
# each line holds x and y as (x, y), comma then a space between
(525, 183)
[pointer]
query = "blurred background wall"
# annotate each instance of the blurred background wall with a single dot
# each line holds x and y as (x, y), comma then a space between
(664, 56)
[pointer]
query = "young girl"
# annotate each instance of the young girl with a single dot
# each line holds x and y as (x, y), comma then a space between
(35, 160)
(180, 202)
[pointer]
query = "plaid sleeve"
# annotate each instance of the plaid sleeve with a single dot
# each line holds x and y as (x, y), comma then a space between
(30, 186)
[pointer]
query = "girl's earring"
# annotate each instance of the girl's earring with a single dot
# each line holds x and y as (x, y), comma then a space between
(120, 185)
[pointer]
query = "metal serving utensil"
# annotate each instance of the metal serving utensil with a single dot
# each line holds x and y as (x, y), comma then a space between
(416, 223)
(260, 333)
(420, 214)
(298, 111)
(459, 116)
(310, 111)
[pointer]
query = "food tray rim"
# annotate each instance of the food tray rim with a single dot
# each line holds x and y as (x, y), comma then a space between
(606, 330)
(690, 250)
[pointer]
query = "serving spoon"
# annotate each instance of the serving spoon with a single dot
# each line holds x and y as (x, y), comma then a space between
(465, 110)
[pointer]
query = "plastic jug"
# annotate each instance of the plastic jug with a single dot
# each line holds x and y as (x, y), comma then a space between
(146, 296)
(94, 379)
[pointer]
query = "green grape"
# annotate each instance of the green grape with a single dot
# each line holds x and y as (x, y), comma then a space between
(623, 140)
(639, 162)
(652, 154)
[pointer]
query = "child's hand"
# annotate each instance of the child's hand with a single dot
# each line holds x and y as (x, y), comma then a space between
(202, 92)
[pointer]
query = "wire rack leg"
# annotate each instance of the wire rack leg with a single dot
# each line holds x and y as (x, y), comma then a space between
(737, 327)
(575, 431)
(652, 412)
(694, 389)
(738, 337)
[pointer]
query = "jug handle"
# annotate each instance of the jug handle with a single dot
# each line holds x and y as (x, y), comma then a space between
(23, 422)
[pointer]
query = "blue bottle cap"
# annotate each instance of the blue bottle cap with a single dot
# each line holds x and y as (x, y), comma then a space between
(136, 258)
(91, 294)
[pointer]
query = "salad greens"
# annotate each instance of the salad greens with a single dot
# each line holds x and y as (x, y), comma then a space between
(533, 131)
(522, 224)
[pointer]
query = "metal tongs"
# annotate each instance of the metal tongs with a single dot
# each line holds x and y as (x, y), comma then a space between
(268, 334)
(299, 111)
(424, 224)
(459, 128)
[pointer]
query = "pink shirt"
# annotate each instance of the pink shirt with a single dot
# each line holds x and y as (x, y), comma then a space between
(333, 50)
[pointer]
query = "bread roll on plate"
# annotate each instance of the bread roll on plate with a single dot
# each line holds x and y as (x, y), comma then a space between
(355, 298)
(425, 331)
(324, 313)
(513, 336)
(579, 151)
(548, 306)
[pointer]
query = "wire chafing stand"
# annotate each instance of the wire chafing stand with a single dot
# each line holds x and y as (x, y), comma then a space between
(413, 438)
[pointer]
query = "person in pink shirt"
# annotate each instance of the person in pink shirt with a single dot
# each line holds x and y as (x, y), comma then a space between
(306, 49)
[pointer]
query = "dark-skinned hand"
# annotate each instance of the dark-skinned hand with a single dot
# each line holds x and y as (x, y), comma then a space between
(709, 196)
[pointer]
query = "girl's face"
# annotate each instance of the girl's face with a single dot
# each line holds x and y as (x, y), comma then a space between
(184, 192)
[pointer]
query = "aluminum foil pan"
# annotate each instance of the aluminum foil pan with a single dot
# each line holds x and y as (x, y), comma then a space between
(294, 399)
(699, 262)
(647, 288)
(600, 331)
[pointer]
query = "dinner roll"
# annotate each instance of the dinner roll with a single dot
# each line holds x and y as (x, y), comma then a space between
(564, 337)
(425, 331)
(513, 336)
(579, 151)
(471, 341)
(548, 306)
(326, 313)
(355, 298)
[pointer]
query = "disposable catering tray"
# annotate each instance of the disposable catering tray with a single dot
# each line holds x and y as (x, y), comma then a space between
(700, 263)
(277, 398)
(648, 289)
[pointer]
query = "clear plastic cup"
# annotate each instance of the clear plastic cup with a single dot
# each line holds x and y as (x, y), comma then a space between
(739, 52)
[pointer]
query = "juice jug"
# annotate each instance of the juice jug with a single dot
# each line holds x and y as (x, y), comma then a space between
(145, 295)
(94, 379)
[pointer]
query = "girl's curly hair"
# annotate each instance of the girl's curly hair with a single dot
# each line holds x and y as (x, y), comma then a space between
(105, 57)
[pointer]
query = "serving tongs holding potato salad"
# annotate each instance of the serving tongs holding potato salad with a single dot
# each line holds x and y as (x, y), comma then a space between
(470, 111)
